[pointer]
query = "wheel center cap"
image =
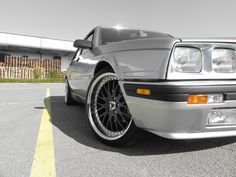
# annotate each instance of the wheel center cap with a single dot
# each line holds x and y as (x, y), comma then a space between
(112, 105)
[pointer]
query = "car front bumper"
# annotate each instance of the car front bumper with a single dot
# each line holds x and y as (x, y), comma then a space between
(166, 113)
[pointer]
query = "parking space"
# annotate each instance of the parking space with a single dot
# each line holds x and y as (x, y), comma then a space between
(78, 153)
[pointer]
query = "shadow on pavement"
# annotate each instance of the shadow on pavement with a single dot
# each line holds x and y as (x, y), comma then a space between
(72, 121)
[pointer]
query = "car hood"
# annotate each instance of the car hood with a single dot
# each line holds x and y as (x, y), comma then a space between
(216, 39)
(164, 43)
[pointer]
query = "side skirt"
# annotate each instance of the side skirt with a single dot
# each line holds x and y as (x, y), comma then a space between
(78, 98)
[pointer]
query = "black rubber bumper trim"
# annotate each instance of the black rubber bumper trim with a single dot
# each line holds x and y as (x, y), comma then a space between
(179, 93)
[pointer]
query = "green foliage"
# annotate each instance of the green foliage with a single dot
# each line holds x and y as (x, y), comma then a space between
(53, 73)
(62, 74)
(36, 73)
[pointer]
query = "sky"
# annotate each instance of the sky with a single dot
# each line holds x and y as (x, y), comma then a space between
(73, 19)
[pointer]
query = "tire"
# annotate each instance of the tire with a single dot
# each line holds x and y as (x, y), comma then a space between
(107, 111)
(68, 97)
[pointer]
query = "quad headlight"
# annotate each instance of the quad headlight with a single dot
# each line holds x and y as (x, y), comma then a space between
(202, 61)
(187, 60)
(223, 60)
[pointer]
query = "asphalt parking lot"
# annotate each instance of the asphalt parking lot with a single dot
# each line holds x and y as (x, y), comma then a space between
(78, 153)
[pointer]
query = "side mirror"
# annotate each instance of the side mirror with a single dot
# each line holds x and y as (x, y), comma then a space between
(83, 44)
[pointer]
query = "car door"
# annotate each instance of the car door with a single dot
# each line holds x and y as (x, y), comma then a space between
(71, 70)
(76, 70)
(79, 70)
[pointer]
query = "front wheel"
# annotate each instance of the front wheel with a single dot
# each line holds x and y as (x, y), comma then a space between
(107, 110)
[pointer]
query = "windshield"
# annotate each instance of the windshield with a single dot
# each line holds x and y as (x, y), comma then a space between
(114, 35)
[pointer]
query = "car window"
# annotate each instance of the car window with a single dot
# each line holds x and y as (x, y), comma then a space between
(89, 38)
(76, 55)
(110, 35)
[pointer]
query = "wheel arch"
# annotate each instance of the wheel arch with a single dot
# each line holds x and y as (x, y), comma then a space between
(101, 65)
(108, 62)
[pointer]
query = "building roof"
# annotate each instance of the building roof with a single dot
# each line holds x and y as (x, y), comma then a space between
(16, 42)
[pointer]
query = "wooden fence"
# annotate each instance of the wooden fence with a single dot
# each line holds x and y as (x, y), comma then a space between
(24, 68)
(16, 73)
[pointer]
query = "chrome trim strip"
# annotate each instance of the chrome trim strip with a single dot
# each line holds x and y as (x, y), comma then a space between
(197, 82)
(200, 135)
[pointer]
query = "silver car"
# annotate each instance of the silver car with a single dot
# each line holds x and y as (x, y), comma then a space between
(175, 88)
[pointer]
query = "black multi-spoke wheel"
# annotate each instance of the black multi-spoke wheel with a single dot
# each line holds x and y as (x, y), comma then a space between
(107, 110)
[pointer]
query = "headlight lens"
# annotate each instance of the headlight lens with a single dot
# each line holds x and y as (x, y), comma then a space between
(224, 60)
(187, 60)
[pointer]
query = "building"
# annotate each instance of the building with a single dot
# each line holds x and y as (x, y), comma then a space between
(30, 47)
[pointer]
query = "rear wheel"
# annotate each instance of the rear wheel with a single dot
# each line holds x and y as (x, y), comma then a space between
(107, 110)
(68, 97)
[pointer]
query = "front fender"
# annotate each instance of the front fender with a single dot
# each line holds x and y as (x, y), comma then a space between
(111, 60)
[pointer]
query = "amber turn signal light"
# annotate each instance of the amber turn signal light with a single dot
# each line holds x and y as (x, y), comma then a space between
(197, 99)
(143, 91)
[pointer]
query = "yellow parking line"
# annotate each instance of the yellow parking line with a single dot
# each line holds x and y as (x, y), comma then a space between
(44, 157)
